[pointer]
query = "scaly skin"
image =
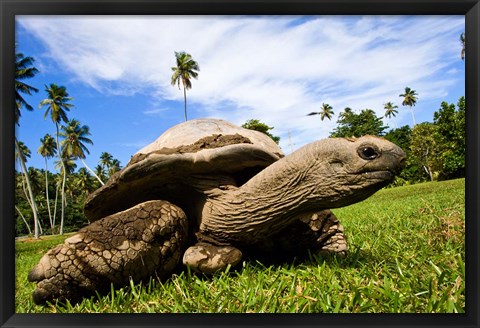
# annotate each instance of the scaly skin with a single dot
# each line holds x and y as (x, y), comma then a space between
(143, 241)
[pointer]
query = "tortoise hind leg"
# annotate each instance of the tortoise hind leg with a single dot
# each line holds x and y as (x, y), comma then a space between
(145, 240)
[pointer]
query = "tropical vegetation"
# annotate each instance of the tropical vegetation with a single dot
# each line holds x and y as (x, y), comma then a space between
(254, 124)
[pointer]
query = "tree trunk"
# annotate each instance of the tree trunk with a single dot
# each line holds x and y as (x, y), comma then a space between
(25, 221)
(185, 100)
(55, 207)
(96, 176)
(413, 117)
(33, 205)
(63, 183)
(429, 172)
(46, 194)
(63, 201)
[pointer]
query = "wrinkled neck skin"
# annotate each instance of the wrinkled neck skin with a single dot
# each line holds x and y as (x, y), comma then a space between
(318, 176)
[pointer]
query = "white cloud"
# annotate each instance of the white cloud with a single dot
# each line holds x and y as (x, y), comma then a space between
(276, 69)
(156, 111)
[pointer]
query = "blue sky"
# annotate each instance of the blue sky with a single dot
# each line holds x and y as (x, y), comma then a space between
(273, 68)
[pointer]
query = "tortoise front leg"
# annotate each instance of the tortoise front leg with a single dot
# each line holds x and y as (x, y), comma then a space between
(207, 258)
(145, 240)
(328, 233)
(320, 232)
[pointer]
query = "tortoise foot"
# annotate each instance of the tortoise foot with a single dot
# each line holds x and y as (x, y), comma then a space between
(208, 259)
(142, 241)
(330, 234)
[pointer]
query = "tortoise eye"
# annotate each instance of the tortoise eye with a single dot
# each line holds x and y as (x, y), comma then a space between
(367, 153)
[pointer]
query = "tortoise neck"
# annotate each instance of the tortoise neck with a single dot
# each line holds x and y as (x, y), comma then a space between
(267, 203)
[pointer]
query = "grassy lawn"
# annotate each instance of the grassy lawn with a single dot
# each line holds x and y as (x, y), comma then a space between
(406, 255)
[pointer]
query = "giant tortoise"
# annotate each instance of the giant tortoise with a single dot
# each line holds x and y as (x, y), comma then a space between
(207, 191)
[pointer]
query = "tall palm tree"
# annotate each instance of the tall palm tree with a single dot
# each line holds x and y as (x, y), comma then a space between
(75, 138)
(186, 69)
(25, 70)
(390, 110)
(22, 153)
(58, 105)
(409, 99)
(462, 40)
(326, 111)
(47, 149)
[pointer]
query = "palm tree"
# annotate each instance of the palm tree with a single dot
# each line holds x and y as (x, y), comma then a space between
(83, 181)
(35, 179)
(106, 160)
(100, 172)
(327, 111)
(390, 110)
(75, 138)
(22, 153)
(182, 73)
(462, 40)
(25, 70)
(114, 167)
(47, 150)
(409, 99)
(346, 112)
(57, 106)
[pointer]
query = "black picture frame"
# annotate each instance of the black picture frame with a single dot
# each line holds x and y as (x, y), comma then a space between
(11, 8)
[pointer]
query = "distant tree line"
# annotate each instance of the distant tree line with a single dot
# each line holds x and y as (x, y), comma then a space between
(47, 201)
(45, 188)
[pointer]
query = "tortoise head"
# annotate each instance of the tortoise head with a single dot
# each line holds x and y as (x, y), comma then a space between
(349, 170)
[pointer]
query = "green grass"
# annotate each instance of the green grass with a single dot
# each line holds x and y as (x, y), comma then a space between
(406, 255)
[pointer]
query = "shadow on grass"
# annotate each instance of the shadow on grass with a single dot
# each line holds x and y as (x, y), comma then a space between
(354, 258)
